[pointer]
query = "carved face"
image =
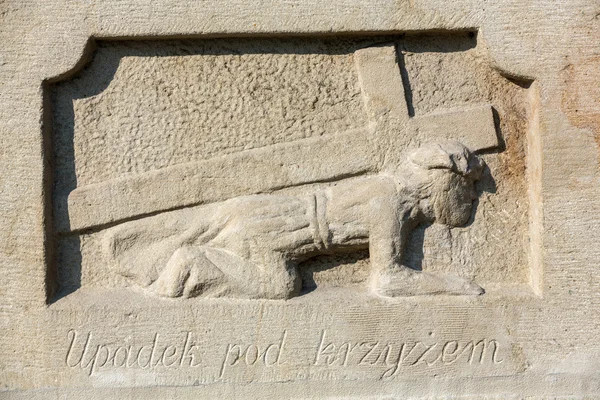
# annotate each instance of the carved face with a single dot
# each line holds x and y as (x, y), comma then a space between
(452, 199)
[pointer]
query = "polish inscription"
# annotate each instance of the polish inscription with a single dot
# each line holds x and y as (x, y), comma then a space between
(396, 356)
(386, 359)
(86, 353)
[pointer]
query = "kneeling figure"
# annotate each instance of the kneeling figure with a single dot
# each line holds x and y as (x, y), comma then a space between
(250, 246)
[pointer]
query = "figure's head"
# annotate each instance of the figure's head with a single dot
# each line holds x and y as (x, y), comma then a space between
(442, 176)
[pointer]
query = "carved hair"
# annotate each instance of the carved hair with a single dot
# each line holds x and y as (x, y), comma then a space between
(449, 155)
(417, 177)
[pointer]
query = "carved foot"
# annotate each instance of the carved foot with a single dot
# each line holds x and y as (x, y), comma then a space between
(188, 273)
(406, 282)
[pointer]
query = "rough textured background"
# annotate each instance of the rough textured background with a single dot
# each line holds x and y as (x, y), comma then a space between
(147, 105)
(549, 341)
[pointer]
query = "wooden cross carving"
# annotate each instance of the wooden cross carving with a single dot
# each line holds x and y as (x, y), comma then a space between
(390, 132)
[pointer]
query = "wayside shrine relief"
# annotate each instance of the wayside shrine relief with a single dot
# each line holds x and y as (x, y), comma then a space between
(276, 168)
(299, 199)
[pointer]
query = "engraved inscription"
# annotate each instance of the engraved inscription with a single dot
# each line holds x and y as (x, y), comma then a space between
(249, 355)
(91, 355)
(378, 359)
(394, 357)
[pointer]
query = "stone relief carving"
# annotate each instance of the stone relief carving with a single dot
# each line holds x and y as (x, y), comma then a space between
(235, 233)
(249, 246)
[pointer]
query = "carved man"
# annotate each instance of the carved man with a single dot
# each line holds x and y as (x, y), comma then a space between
(250, 246)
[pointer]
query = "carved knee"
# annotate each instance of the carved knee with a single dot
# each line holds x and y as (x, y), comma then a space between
(283, 283)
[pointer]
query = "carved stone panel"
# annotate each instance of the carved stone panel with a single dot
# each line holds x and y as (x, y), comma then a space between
(213, 149)
(299, 200)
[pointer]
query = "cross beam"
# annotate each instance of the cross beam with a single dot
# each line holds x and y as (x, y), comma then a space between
(327, 158)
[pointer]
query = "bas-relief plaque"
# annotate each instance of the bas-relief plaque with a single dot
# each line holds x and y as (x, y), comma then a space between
(302, 209)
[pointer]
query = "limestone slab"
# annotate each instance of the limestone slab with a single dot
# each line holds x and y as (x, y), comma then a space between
(299, 199)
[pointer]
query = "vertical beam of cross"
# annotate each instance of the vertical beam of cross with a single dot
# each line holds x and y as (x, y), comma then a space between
(364, 150)
(384, 97)
(381, 83)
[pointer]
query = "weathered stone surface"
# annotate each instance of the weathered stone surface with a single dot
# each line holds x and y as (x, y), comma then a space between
(299, 199)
